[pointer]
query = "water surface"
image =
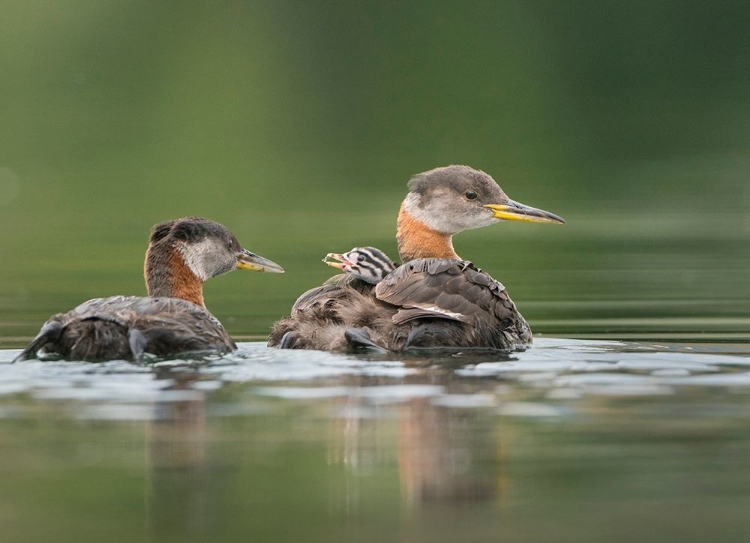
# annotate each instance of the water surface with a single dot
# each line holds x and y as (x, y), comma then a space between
(572, 440)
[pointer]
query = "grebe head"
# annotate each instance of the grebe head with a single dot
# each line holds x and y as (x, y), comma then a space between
(452, 199)
(184, 253)
(209, 249)
(366, 263)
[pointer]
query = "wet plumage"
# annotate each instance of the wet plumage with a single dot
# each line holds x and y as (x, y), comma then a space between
(434, 299)
(173, 320)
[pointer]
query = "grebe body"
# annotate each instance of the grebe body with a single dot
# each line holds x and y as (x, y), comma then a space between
(173, 320)
(434, 298)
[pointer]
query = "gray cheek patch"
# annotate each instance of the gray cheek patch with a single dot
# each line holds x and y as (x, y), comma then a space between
(208, 258)
(447, 214)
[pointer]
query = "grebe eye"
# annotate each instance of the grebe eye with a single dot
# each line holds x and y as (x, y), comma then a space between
(361, 258)
(471, 195)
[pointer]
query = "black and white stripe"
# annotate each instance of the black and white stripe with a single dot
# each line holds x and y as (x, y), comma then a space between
(369, 264)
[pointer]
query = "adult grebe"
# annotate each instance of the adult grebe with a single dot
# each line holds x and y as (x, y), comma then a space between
(433, 299)
(173, 319)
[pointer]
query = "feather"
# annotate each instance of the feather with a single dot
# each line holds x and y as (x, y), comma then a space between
(425, 302)
(124, 327)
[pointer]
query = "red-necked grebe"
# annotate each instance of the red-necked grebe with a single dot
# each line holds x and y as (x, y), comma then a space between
(173, 320)
(433, 299)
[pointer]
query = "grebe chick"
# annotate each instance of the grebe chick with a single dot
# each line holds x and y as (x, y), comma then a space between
(367, 264)
(434, 298)
(173, 320)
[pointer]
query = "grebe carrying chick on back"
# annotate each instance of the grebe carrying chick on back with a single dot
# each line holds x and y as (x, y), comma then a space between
(173, 320)
(434, 298)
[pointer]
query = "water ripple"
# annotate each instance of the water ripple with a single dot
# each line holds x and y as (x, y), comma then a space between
(563, 370)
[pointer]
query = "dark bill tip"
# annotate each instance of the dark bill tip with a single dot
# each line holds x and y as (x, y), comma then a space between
(515, 211)
(250, 261)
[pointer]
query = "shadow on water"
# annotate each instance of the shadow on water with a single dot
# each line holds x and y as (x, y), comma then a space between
(442, 359)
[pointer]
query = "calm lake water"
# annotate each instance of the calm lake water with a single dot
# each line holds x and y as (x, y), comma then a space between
(629, 419)
(572, 440)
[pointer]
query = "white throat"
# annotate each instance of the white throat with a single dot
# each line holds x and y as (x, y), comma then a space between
(194, 257)
(411, 206)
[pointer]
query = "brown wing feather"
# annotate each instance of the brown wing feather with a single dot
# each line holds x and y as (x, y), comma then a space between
(321, 316)
(444, 288)
(423, 303)
(98, 329)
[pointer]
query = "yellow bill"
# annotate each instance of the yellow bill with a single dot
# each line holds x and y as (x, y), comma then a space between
(250, 261)
(515, 211)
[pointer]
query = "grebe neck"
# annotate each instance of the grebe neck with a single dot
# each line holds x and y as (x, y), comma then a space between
(417, 240)
(168, 275)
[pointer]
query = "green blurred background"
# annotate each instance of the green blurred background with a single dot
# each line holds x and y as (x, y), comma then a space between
(297, 124)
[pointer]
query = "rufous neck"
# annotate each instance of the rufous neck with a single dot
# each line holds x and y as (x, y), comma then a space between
(168, 275)
(417, 240)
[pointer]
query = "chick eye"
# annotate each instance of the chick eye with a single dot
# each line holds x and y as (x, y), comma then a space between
(361, 258)
(471, 195)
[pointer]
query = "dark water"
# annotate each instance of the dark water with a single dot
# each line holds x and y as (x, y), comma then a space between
(572, 440)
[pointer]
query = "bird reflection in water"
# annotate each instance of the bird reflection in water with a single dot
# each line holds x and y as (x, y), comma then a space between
(444, 454)
(180, 496)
